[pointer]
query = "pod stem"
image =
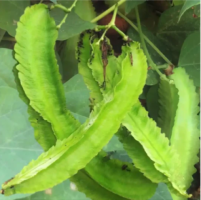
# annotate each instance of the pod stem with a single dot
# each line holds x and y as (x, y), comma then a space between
(112, 25)
(150, 61)
(145, 38)
(109, 10)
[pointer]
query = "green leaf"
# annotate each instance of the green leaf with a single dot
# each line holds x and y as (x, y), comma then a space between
(130, 4)
(168, 101)
(189, 58)
(54, 1)
(152, 76)
(172, 33)
(178, 2)
(2, 32)
(7, 63)
(152, 102)
(17, 145)
(10, 13)
(156, 41)
(188, 4)
(77, 98)
(162, 193)
(73, 26)
(68, 59)
(84, 9)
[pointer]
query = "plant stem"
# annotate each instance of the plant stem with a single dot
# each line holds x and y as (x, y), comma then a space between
(114, 15)
(107, 11)
(67, 10)
(147, 40)
(150, 61)
(62, 21)
(113, 26)
(125, 37)
(165, 66)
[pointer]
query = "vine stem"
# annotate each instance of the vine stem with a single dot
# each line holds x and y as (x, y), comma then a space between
(111, 25)
(67, 10)
(150, 61)
(107, 11)
(146, 38)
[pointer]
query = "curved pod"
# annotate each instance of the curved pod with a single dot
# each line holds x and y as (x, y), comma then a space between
(89, 139)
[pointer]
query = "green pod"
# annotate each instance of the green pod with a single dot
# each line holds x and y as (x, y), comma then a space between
(133, 147)
(104, 71)
(38, 69)
(94, 191)
(120, 178)
(140, 158)
(185, 133)
(155, 144)
(168, 100)
(90, 138)
(142, 161)
(83, 55)
(46, 139)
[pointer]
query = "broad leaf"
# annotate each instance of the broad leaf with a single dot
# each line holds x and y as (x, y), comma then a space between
(133, 34)
(152, 102)
(130, 4)
(162, 193)
(54, 1)
(67, 55)
(152, 76)
(187, 5)
(73, 25)
(178, 2)
(10, 13)
(2, 32)
(17, 145)
(84, 9)
(190, 57)
(168, 101)
(172, 33)
(6, 65)
(77, 98)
